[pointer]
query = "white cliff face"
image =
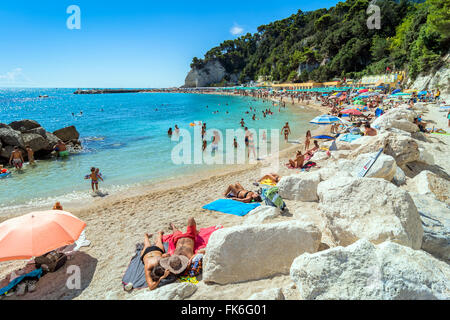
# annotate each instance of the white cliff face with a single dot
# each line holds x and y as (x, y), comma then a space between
(213, 72)
(439, 79)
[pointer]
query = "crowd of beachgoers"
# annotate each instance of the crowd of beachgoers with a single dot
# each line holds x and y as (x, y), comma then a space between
(360, 206)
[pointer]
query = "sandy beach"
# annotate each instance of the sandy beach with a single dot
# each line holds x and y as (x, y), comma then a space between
(115, 224)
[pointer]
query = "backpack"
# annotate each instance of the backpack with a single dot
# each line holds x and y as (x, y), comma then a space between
(272, 198)
(51, 261)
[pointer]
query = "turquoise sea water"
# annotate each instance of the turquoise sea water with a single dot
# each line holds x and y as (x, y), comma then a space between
(122, 134)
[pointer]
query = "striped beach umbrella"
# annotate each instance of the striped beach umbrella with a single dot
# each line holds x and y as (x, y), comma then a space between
(325, 120)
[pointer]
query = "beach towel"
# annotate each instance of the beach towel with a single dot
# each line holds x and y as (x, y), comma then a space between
(33, 274)
(231, 207)
(135, 272)
(349, 137)
(200, 242)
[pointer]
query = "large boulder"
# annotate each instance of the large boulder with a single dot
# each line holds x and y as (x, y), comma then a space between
(254, 252)
(385, 167)
(11, 137)
(268, 295)
(426, 156)
(403, 149)
(5, 152)
(435, 217)
(300, 187)
(176, 291)
(262, 214)
(67, 134)
(430, 184)
(35, 141)
(399, 113)
(24, 125)
(40, 131)
(369, 208)
(399, 177)
(52, 141)
(364, 271)
(371, 144)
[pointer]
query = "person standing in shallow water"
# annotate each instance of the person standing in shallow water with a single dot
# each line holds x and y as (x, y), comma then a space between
(94, 176)
(170, 132)
(286, 131)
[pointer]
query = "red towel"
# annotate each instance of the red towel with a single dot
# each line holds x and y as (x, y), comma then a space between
(200, 242)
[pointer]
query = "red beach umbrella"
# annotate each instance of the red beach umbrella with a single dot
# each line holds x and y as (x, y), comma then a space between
(352, 112)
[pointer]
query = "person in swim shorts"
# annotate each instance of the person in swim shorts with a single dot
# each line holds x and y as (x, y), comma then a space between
(30, 153)
(184, 248)
(151, 257)
(16, 158)
(61, 149)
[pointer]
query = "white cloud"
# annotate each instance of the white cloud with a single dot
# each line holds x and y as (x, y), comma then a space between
(14, 77)
(236, 30)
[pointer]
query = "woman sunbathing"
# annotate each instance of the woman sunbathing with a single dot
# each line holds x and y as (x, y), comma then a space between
(151, 256)
(272, 176)
(298, 162)
(311, 152)
(238, 193)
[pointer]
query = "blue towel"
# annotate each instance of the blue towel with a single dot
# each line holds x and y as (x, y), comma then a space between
(33, 274)
(349, 137)
(231, 207)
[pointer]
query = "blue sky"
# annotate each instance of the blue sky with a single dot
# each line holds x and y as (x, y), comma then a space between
(135, 43)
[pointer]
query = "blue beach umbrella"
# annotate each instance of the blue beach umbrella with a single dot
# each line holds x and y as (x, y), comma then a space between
(445, 108)
(325, 120)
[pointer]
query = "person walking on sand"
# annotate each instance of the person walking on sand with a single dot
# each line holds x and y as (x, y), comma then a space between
(30, 153)
(286, 131)
(94, 176)
(16, 158)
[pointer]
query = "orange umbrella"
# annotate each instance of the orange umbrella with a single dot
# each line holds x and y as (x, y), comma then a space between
(37, 233)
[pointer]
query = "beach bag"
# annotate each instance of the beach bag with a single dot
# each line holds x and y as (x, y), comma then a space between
(272, 198)
(51, 262)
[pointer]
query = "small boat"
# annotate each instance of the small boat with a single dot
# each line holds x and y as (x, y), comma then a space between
(43, 96)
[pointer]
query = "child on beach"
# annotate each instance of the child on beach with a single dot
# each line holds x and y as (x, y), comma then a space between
(94, 176)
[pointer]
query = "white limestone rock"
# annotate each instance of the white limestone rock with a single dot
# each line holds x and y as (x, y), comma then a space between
(262, 214)
(429, 184)
(435, 217)
(175, 291)
(253, 252)
(364, 271)
(300, 187)
(369, 208)
(268, 295)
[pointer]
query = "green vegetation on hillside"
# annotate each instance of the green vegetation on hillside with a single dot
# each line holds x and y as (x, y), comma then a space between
(336, 42)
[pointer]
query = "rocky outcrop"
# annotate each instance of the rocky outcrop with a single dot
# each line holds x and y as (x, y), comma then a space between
(364, 271)
(435, 217)
(262, 214)
(439, 79)
(28, 132)
(429, 184)
(254, 252)
(300, 187)
(373, 209)
(176, 291)
(67, 134)
(385, 167)
(211, 73)
(268, 295)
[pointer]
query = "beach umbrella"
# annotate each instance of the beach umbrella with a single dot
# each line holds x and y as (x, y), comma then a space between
(325, 120)
(38, 233)
(396, 91)
(324, 138)
(445, 108)
(352, 112)
(363, 90)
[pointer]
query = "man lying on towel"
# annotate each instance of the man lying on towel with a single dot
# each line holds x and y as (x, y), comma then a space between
(184, 249)
(151, 257)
